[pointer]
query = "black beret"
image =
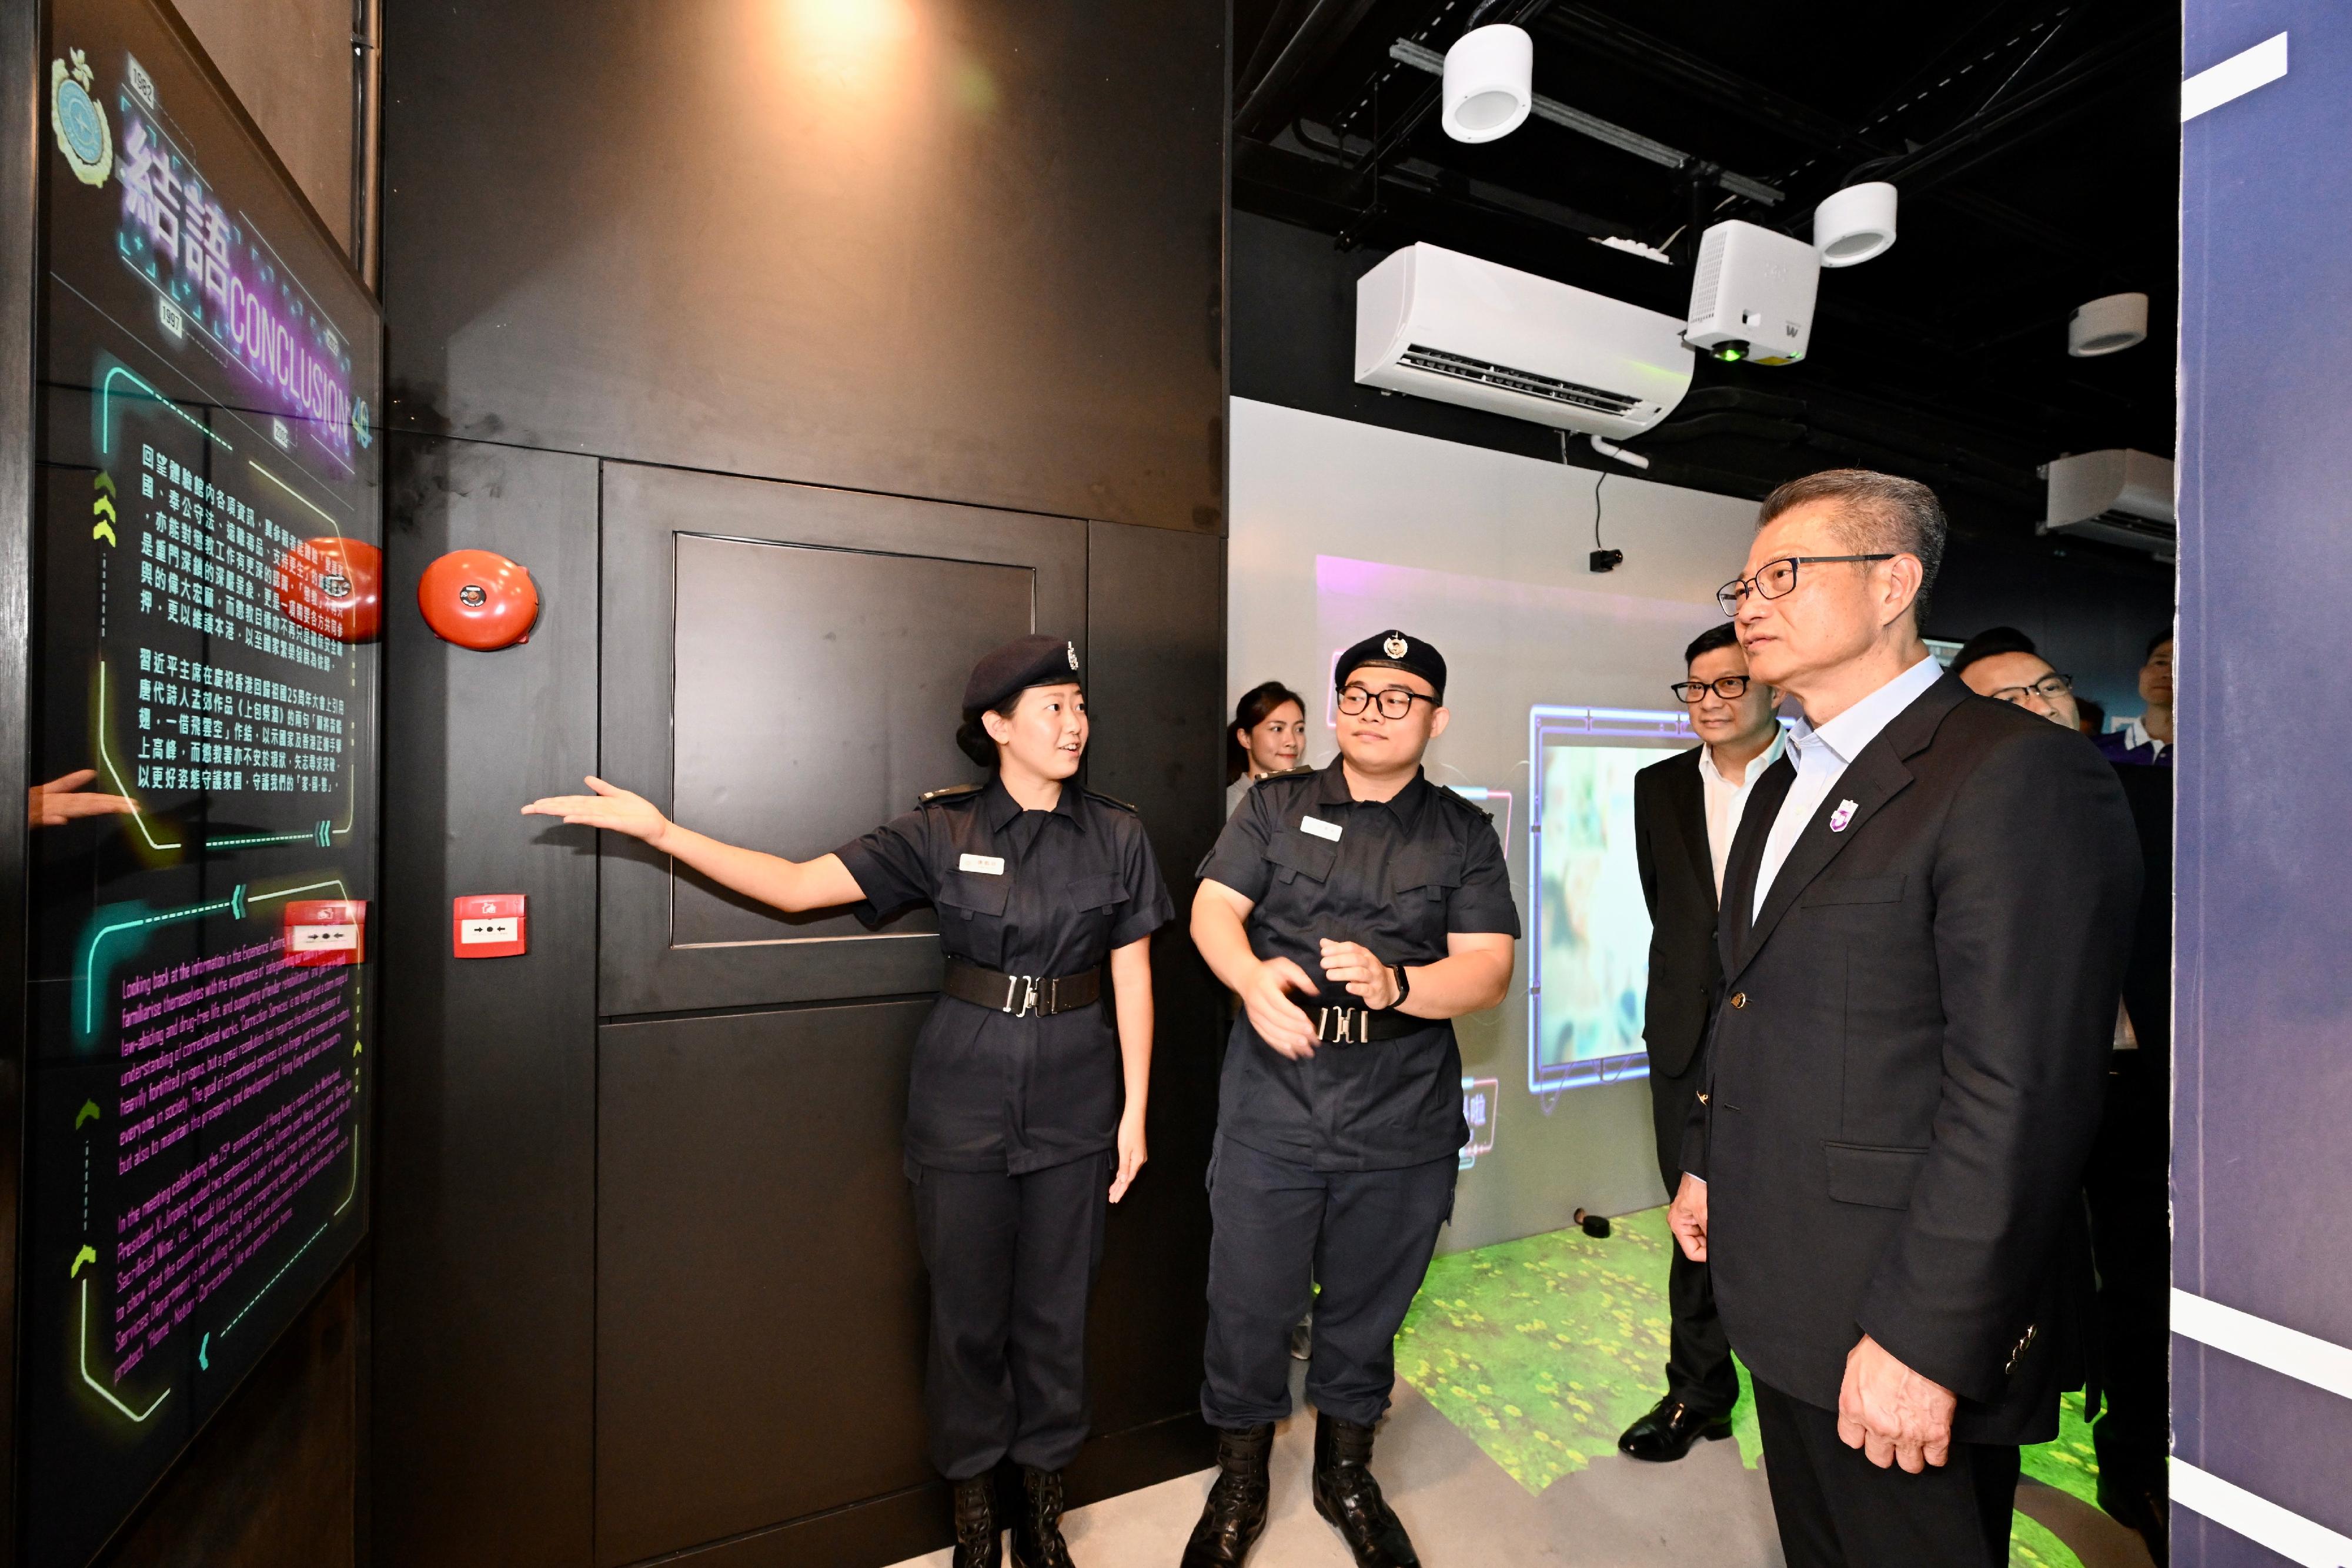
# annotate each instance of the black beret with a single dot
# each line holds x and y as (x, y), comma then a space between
(1392, 650)
(1033, 661)
(1992, 640)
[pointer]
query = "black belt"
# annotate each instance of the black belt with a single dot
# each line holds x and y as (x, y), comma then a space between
(1361, 1026)
(1022, 994)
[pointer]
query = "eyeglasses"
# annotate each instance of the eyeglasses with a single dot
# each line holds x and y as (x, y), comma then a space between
(1777, 579)
(2048, 688)
(1730, 688)
(1395, 701)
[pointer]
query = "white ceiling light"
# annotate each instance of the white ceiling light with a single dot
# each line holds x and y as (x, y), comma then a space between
(1489, 82)
(1854, 224)
(2107, 325)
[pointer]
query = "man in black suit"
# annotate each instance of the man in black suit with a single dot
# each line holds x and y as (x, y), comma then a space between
(1685, 811)
(1924, 925)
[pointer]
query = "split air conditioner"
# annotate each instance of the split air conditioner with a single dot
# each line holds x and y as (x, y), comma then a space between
(1441, 324)
(2121, 497)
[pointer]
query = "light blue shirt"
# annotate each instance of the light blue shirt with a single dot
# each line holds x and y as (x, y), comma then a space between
(1822, 756)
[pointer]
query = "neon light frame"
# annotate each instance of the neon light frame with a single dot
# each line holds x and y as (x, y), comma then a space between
(1669, 726)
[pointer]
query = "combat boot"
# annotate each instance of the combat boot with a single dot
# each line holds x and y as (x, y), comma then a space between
(1347, 1495)
(978, 1542)
(1037, 1528)
(1236, 1515)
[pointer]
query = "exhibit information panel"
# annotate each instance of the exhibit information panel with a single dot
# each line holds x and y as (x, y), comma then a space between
(206, 564)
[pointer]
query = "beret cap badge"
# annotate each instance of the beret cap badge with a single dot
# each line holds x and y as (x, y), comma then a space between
(1396, 647)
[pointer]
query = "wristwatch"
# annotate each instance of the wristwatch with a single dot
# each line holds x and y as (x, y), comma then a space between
(1404, 988)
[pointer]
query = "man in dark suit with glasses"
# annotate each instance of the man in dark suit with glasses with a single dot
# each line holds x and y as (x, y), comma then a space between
(1925, 922)
(1686, 813)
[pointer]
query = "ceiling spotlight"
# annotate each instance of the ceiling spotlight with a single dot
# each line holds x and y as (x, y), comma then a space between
(2107, 326)
(1489, 82)
(1854, 224)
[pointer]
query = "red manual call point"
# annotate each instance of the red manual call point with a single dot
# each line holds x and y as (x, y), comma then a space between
(478, 598)
(334, 587)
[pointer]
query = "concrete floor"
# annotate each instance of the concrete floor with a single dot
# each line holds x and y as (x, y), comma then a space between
(1463, 1509)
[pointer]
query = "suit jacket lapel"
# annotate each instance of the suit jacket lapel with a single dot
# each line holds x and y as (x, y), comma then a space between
(1746, 858)
(1690, 820)
(1872, 779)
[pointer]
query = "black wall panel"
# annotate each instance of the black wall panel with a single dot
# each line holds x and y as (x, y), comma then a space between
(485, 1242)
(958, 248)
(952, 269)
(804, 741)
(757, 1288)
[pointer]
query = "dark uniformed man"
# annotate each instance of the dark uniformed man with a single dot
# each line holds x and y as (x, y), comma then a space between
(1025, 1104)
(1356, 910)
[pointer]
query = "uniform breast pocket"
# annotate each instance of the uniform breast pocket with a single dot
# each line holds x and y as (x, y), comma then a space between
(1293, 856)
(1425, 877)
(1092, 894)
(969, 894)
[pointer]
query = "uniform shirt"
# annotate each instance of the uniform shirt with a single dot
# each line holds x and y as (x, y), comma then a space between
(1398, 877)
(990, 1091)
(2133, 744)
(1726, 802)
(1822, 756)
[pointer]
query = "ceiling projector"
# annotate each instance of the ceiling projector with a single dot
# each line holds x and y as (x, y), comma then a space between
(1752, 296)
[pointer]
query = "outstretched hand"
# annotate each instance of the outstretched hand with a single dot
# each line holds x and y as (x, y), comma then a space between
(63, 799)
(611, 809)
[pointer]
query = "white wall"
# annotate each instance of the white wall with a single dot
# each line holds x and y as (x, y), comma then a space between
(1340, 529)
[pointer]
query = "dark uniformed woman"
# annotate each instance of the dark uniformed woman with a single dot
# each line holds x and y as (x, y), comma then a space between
(1025, 1105)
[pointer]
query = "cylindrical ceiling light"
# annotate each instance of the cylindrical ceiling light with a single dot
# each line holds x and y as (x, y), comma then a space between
(2107, 325)
(1854, 224)
(1489, 82)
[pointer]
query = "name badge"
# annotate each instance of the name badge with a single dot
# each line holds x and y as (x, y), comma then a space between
(987, 865)
(1320, 828)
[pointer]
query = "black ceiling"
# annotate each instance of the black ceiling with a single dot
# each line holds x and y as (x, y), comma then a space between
(2035, 145)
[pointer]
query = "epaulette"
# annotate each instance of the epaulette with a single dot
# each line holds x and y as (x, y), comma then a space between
(1286, 773)
(952, 792)
(1112, 800)
(1464, 802)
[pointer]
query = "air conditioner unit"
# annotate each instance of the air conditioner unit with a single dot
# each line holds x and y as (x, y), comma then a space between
(2121, 497)
(1441, 324)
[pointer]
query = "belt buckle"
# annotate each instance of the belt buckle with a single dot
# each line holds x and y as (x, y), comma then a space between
(1324, 1019)
(1023, 988)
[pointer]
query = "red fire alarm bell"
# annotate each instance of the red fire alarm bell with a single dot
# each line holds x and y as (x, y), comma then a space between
(321, 932)
(478, 598)
(489, 925)
(334, 587)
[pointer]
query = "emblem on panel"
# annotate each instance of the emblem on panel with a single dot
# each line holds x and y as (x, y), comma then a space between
(83, 135)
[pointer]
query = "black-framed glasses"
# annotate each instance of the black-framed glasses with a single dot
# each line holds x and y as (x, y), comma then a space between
(2048, 688)
(1730, 688)
(1777, 579)
(1395, 701)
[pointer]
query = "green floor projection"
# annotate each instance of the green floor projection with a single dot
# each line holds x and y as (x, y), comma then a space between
(1542, 1350)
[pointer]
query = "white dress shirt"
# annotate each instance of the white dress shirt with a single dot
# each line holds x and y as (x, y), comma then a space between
(1727, 801)
(1822, 756)
(2135, 735)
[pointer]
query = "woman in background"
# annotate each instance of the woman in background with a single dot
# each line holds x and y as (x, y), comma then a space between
(1269, 737)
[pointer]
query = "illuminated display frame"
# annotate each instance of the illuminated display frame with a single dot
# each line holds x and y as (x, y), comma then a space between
(1547, 725)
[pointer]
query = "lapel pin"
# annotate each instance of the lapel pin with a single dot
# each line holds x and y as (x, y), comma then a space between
(1841, 816)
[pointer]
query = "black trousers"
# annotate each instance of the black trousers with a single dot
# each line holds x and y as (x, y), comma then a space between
(2127, 1183)
(1837, 1510)
(1281, 1229)
(1013, 1261)
(1699, 1355)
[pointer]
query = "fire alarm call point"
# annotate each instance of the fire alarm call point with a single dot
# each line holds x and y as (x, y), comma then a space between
(489, 925)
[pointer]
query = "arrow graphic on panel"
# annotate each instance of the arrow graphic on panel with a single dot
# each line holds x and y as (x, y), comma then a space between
(87, 1254)
(89, 1112)
(102, 506)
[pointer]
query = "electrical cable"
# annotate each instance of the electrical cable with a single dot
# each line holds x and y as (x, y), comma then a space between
(1596, 508)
